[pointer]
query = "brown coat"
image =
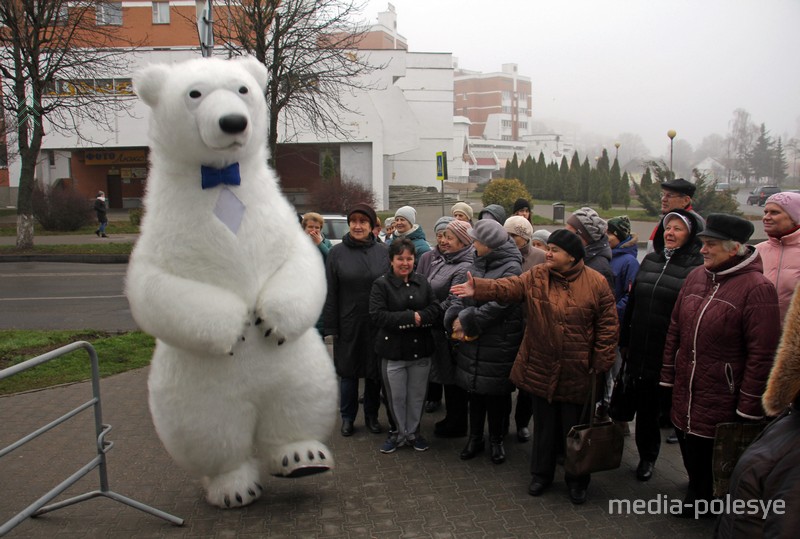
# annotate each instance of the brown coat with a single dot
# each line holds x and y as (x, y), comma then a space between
(571, 328)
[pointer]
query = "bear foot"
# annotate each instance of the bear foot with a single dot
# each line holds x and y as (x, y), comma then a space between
(237, 488)
(300, 459)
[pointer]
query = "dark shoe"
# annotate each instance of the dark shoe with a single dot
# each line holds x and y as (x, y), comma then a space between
(347, 428)
(577, 495)
(449, 429)
(103, 235)
(498, 451)
(537, 487)
(432, 406)
(475, 445)
(672, 439)
(645, 470)
(372, 425)
(97, 232)
(523, 435)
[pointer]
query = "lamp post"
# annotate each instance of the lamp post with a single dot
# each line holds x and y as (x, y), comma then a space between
(671, 134)
(616, 146)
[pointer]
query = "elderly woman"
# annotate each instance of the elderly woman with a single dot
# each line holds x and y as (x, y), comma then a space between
(462, 211)
(574, 307)
(405, 226)
(720, 345)
(351, 268)
(646, 321)
(780, 254)
(312, 224)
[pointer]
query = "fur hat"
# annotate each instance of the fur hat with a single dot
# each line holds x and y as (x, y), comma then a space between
(464, 208)
(680, 186)
(727, 227)
(519, 226)
(568, 241)
(365, 209)
(783, 384)
(789, 202)
(541, 235)
(441, 223)
(519, 204)
(490, 233)
(461, 230)
(589, 226)
(408, 213)
(620, 227)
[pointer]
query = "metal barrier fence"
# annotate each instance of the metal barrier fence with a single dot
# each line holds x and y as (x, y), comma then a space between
(103, 446)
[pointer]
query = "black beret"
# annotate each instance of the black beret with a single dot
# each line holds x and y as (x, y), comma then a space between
(680, 186)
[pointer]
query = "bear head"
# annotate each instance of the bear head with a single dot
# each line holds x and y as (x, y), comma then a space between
(206, 111)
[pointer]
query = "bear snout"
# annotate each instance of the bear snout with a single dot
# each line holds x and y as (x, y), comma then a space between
(233, 123)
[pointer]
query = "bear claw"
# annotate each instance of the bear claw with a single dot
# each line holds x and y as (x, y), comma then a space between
(300, 459)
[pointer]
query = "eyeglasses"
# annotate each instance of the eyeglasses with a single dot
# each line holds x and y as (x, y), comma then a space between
(666, 194)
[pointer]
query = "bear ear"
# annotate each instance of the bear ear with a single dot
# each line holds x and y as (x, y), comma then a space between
(256, 69)
(148, 81)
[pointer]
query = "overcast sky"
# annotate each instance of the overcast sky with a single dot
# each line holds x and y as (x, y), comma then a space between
(617, 66)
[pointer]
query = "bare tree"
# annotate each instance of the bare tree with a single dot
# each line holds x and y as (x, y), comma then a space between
(57, 62)
(743, 134)
(310, 48)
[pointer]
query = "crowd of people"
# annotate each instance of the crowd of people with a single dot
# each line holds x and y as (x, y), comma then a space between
(491, 307)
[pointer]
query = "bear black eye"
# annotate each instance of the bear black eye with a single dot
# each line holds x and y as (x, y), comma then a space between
(243, 90)
(194, 94)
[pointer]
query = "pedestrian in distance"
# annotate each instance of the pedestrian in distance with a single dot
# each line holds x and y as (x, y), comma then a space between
(101, 210)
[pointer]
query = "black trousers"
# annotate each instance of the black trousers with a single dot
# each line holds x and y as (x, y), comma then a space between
(434, 392)
(551, 423)
(524, 409)
(456, 404)
(648, 410)
(493, 407)
(697, 453)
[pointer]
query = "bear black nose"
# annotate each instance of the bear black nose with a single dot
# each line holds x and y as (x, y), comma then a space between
(233, 123)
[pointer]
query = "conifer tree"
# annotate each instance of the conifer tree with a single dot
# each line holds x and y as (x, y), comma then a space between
(586, 178)
(512, 168)
(780, 162)
(615, 179)
(625, 190)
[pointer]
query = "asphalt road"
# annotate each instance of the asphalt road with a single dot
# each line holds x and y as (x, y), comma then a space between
(47, 295)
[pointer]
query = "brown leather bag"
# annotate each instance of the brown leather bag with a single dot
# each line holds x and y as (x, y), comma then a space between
(596, 446)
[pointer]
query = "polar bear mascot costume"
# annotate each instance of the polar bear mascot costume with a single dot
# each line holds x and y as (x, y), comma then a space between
(229, 285)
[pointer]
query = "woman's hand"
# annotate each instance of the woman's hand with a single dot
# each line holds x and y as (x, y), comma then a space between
(316, 236)
(417, 319)
(464, 290)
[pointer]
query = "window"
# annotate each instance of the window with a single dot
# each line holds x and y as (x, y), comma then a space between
(160, 12)
(121, 87)
(51, 158)
(109, 14)
(506, 123)
(523, 125)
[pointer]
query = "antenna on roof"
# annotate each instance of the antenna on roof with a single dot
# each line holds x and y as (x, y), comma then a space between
(205, 26)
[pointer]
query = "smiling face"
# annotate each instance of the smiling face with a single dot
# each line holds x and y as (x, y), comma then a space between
(441, 241)
(558, 259)
(360, 227)
(676, 233)
(776, 221)
(403, 264)
(451, 243)
(401, 225)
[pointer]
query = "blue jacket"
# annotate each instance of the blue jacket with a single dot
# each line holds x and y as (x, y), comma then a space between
(417, 236)
(625, 266)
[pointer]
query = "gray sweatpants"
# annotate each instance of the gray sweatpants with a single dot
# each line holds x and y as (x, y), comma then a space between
(405, 384)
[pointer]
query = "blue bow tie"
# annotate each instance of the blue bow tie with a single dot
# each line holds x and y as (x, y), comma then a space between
(212, 177)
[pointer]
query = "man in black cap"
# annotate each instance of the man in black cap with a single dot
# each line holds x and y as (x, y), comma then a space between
(675, 195)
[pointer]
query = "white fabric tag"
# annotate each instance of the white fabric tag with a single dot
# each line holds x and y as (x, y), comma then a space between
(229, 209)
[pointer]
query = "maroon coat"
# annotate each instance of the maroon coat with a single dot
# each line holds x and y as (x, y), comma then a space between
(720, 346)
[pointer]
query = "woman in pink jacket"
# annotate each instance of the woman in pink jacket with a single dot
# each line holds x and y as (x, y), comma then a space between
(780, 254)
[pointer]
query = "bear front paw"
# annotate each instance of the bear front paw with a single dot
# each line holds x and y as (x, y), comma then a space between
(300, 459)
(272, 332)
(234, 489)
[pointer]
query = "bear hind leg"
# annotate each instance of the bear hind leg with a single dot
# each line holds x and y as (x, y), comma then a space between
(235, 488)
(299, 459)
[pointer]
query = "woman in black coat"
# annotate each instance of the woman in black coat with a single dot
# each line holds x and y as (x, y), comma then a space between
(490, 334)
(351, 268)
(647, 318)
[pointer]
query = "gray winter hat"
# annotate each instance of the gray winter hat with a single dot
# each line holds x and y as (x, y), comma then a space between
(588, 225)
(490, 233)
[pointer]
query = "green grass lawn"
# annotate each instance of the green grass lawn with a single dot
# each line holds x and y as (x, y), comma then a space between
(117, 352)
(114, 227)
(86, 249)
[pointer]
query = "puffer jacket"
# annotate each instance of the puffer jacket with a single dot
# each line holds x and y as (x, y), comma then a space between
(392, 304)
(647, 318)
(720, 345)
(483, 364)
(624, 265)
(571, 329)
(598, 257)
(417, 236)
(781, 259)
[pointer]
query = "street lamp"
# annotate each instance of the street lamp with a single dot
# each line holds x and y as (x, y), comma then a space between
(671, 134)
(616, 154)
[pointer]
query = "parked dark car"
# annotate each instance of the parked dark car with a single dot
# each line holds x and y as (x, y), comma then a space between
(759, 195)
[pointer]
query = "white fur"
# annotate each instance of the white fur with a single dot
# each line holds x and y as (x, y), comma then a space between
(227, 400)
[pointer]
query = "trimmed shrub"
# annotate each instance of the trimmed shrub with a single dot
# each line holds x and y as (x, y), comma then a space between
(61, 209)
(505, 193)
(338, 197)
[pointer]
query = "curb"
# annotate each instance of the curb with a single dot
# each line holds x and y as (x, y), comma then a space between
(76, 258)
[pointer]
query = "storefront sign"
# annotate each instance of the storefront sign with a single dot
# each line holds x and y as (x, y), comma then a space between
(115, 157)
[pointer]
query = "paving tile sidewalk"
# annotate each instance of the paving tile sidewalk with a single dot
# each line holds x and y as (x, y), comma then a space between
(369, 494)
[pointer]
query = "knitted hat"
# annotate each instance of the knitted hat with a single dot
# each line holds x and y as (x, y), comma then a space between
(462, 207)
(441, 224)
(519, 204)
(365, 209)
(388, 222)
(408, 213)
(673, 214)
(620, 227)
(680, 186)
(727, 227)
(789, 202)
(461, 230)
(490, 233)
(589, 226)
(518, 225)
(541, 235)
(568, 241)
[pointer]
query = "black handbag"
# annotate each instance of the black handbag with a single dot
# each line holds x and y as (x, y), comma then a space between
(596, 446)
(622, 406)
